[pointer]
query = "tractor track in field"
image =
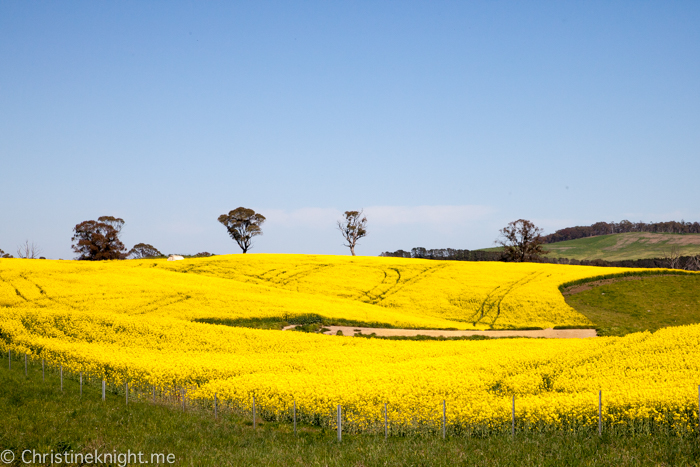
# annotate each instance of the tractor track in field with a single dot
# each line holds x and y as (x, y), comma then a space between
(493, 299)
(373, 298)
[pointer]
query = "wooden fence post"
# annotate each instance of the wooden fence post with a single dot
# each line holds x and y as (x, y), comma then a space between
(340, 424)
(43, 375)
(154, 393)
(103, 390)
(216, 414)
(126, 390)
(61, 370)
(600, 413)
(444, 418)
(9, 358)
(512, 429)
(386, 423)
(81, 384)
(25, 365)
(254, 422)
(294, 416)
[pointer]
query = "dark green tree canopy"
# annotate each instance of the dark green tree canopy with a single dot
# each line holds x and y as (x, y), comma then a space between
(242, 225)
(99, 240)
(143, 250)
(522, 241)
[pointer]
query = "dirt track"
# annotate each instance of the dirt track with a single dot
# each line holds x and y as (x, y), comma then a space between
(548, 333)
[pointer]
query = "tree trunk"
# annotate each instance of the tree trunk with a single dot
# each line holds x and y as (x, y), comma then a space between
(352, 250)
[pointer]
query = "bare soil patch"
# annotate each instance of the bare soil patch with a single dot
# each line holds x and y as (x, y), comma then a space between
(388, 332)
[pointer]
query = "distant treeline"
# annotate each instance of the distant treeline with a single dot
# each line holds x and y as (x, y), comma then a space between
(446, 254)
(691, 263)
(683, 262)
(607, 228)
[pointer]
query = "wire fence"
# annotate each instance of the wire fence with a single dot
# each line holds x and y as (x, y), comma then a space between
(339, 418)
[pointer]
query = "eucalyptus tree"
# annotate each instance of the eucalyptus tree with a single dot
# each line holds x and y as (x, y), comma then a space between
(242, 224)
(353, 228)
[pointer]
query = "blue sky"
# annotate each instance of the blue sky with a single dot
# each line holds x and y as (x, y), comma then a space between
(443, 120)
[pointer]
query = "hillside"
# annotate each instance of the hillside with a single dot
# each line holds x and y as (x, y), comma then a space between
(135, 322)
(618, 247)
(369, 291)
(621, 306)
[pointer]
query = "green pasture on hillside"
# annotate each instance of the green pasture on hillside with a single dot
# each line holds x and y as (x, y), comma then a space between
(625, 246)
(642, 303)
(618, 247)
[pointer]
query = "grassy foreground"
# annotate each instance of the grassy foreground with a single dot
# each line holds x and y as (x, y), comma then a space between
(37, 415)
(642, 303)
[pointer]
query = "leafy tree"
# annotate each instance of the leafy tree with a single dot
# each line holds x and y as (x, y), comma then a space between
(242, 225)
(144, 250)
(522, 241)
(353, 228)
(5, 255)
(99, 240)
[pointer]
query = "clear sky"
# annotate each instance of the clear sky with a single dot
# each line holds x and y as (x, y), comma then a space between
(443, 120)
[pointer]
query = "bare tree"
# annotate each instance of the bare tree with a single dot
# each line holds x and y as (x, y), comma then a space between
(673, 257)
(28, 250)
(693, 263)
(353, 228)
(143, 251)
(522, 241)
(242, 225)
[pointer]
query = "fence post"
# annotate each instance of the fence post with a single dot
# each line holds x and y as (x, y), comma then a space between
(294, 416)
(184, 394)
(25, 365)
(126, 390)
(9, 358)
(698, 409)
(216, 414)
(81, 384)
(43, 375)
(154, 393)
(254, 423)
(61, 377)
(103, 389)
(600, 413)
(512, 429)
(444, 418)
(386, 423)
(340, 424)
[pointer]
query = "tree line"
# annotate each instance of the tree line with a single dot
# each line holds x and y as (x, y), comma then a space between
(447, 254)
(98, 240)
(691, 263)
(522, 241)
(625, 226)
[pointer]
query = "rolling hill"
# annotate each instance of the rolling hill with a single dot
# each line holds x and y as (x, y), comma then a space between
(624, 246)
(633, 245)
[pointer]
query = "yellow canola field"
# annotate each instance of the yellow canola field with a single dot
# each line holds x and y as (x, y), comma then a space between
(394, 292)
(133, 320)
